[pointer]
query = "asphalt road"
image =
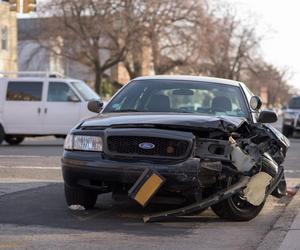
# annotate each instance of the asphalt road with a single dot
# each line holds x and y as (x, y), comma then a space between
(40, 146)
(37, 218)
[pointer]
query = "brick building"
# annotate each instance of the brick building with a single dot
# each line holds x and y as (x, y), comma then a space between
(8, 38)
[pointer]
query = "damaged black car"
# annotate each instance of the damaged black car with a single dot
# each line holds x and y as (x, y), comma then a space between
(201, 142)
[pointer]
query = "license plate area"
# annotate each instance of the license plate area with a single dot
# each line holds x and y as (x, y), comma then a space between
(146, 186)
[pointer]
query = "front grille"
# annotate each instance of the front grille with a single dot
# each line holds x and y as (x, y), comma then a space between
(129, 145)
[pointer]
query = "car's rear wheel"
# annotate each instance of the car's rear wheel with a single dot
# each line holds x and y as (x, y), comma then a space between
(236, 208)
(287, 131)
(79, 196)
(2, 134)
(14, 139)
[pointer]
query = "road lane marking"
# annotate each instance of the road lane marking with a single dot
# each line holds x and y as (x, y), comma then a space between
(292, 171)
(30, 167)
(22, 156)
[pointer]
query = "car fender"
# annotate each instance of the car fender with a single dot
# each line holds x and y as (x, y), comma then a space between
(278, 135)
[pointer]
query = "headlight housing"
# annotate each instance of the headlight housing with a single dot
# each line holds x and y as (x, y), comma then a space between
(83, 143)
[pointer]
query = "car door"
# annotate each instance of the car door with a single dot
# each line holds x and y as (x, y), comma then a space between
(62, 108)
(22, 107)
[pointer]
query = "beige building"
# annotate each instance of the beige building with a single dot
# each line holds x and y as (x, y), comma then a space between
(8, 38)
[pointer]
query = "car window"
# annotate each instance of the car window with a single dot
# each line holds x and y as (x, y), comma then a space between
(85, 91)
(24, 91)
(61, 92)
(180, 96)
(294, 103)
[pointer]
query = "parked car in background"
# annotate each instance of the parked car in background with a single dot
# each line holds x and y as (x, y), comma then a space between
(184, 138)
(37, 106)
(291, 117)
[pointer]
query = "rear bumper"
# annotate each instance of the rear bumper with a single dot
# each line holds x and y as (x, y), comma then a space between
(93, 167)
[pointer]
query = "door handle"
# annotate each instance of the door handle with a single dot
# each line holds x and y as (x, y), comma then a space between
(39, 110)
(45, 110)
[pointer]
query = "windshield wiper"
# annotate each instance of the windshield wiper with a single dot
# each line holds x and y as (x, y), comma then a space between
(125, 110)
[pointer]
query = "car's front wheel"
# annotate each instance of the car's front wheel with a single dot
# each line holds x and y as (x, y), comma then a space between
(2, 134)
(14, 139)
(237, 209)
(79, 196)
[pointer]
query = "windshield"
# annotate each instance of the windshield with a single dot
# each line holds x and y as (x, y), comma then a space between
(295, 103)
(180, 97)
(85, 91)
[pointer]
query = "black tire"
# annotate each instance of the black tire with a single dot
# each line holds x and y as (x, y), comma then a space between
(79, 196)
(287, 131)
(236, 208)
(14, 139)
(2, 134)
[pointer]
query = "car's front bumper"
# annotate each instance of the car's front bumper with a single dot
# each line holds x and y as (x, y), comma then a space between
(94, 167)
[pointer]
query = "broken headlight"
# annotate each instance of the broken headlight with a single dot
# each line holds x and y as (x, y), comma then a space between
(83, 143)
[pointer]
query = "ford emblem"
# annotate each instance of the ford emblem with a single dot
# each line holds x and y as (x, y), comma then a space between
(146, 145)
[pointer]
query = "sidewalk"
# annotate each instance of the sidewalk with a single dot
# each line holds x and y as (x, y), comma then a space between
(292, 238)
(278, 236)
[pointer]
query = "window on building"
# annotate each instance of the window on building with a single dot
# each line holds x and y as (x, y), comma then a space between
(24, 91)
(4, 38)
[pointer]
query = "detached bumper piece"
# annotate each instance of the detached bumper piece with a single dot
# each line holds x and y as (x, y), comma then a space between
(198, 206)
(146, 186)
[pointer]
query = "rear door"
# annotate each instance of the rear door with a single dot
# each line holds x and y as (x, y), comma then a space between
(22, 107)
(62, 108)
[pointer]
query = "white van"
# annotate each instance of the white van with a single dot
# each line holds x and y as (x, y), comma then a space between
(36, 106)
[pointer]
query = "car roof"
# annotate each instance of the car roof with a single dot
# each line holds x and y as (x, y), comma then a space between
(295, 97)
(190, 78)
(29, 78)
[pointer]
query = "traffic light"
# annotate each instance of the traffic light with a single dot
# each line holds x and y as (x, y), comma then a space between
(14, 5)
(29, 6)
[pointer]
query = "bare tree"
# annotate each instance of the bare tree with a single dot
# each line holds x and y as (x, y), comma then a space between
(91, 32)
(174, 36)
(274, 79)
(164, 32)
(225, 47)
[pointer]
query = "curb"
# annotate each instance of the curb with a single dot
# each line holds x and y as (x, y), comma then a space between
(274, 238)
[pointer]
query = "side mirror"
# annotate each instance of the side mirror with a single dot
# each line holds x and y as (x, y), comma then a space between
(267, 116)
(255, 103)
(95, 106)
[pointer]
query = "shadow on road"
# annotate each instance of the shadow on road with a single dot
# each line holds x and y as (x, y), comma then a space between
(46, 206)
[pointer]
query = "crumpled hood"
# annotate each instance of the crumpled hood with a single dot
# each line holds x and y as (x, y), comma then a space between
(175, 120)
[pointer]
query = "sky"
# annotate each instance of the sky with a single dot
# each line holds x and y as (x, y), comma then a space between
(278, 21)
